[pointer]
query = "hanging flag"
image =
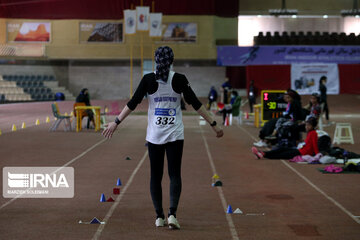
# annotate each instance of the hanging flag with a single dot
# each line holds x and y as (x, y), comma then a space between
(142, 15)
(155, 24)
(130, 21)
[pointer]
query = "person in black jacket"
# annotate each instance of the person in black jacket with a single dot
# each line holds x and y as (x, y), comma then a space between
(293, 112)
(323, 96)
(83, 97)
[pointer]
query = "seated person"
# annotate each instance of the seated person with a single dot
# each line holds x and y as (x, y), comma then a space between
(313, 107)
(233, 107)
(310, 147)
(83, 97)
(293, 112)
(235, 103)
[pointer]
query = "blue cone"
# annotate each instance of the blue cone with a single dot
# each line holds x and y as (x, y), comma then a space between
(229, 210)
(102, 198)
(95, 221)
(118, 183)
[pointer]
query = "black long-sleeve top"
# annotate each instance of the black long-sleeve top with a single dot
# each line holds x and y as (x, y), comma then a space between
(149, 85)
(323, 95)
(82, 98)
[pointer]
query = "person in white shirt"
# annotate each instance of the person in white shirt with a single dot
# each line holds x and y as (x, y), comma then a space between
(165, 131)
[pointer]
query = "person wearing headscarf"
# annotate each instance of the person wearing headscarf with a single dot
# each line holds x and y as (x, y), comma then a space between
(323, 96)
(310, 147)
(165, 130)
(212, 97)
(293, 113)
(83, 97)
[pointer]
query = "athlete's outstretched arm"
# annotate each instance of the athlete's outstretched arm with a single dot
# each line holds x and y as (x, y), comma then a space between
(191, 98)
(206, 115)
(111, 127)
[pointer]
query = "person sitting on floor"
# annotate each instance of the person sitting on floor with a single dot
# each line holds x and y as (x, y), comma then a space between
(83, 97)
(293, 112)
(310, 147)
(313, 109)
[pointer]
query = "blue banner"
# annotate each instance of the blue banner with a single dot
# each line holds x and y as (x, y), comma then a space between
(165, 111)
(268, 55)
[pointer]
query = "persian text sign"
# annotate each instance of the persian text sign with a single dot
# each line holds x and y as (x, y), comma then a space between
(268, 55)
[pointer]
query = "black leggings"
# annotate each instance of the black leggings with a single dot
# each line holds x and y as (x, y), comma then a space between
(268, 128)
(90, 115)
(326, 110)
(282, 153)
(173, 154)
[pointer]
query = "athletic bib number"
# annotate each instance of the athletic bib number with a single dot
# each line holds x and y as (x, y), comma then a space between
(165, 116)
(165, 120)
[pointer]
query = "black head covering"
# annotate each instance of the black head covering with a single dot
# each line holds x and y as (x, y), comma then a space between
(293, 94)
(312, 121)
(322, 78)
(164, 57)
(315, 94)
(83, 90)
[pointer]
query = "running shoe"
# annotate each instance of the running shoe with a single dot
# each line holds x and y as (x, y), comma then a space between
(173, 223)
(260, 143)
(257, 153)
(160, 222)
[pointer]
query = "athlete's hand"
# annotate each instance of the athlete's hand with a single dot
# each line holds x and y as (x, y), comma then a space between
(109, 130)
(219, 131)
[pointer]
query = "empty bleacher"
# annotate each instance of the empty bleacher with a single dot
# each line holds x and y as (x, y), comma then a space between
(19, 88)
(308, 38)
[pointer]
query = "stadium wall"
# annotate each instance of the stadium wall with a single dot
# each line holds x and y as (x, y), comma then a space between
(65, 40)
(112, 82)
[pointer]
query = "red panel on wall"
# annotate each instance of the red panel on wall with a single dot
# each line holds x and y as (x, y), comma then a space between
(272, 77)
(349, 75)
(110, 9)
(236, 76)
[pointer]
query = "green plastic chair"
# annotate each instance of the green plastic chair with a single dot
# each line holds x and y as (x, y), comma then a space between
(59, 119)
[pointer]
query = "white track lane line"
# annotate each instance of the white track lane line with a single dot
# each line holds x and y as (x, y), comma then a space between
(220, 191)
(65, 165)
(323, 193)
(355, 218)
(118, 199)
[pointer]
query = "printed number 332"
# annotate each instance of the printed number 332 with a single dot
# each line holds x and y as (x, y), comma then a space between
(164, 120)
